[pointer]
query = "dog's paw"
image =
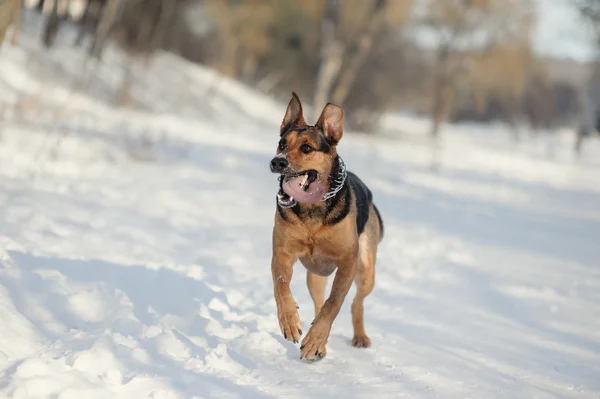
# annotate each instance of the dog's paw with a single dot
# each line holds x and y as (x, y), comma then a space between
(317, 356)
(361, 341)
(289, 323)
(313, 345)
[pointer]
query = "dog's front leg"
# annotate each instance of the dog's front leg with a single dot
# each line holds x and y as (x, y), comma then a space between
(313, 345)
(287, 309)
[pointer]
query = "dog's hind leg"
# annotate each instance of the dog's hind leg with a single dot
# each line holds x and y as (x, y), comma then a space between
(316, 287)
(364, 280)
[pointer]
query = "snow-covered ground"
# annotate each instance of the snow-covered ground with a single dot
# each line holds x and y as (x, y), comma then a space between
(135, 249)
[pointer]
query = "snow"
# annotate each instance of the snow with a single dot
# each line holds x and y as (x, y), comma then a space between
(135, 248)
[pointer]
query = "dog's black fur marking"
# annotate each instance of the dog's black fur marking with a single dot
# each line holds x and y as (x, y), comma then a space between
(347, 205)
(335, 170)
(322, 144)
(381, 230)
(363, 198)
(283, 144)
(301, 129)
(288, 129)
(282, 213)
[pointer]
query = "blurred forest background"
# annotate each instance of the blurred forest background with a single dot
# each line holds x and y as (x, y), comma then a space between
(449, 60)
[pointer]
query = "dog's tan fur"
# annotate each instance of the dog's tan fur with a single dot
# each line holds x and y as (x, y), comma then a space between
(321, 247)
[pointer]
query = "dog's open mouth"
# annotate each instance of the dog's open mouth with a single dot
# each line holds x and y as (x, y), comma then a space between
(300, 187)
(301, 180)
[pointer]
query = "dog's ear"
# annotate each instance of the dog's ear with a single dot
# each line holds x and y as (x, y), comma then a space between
(293, 115)
(330, 122)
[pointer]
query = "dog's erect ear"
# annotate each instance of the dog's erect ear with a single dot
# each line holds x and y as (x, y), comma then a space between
(331, 121)
(293, 115)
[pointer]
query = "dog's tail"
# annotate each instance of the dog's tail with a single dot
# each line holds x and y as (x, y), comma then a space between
(381, 230)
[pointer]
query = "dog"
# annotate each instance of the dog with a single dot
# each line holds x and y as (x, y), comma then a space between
(325, 218)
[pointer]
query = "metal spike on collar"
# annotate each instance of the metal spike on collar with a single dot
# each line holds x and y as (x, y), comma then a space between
(340, 180)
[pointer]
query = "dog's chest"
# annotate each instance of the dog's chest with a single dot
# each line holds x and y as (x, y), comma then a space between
(313, 249)
(317, 257)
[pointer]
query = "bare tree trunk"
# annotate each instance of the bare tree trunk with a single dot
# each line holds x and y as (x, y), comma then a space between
(443, 90)
(512, 110)
(10, 14)
(585, 116)
(443, 104)
(365, 44)
(83, 24)
(230, 49)
(108, 18)
(146, 29)
(582, 133)
(63, 6)
(437, 97)
(16, 19)
(52, 25)
(268, 83)
(124, 97)
(443, 84)
(249, 67)
(332, 51)
(435, 126)
(229, 56)
(166, 17)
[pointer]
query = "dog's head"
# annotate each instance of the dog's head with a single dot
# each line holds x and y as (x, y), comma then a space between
(306, 154)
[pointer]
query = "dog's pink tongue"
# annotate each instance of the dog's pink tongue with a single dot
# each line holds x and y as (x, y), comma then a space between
(293, 188)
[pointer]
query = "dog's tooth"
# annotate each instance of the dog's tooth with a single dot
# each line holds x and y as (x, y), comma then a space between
(304, 180)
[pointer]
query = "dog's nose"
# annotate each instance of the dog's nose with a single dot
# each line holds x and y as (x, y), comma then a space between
(278, 164)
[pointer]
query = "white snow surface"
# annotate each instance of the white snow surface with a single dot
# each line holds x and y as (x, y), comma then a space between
(135, 248)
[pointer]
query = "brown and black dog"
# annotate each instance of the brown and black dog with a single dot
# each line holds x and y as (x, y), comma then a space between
(341, 230)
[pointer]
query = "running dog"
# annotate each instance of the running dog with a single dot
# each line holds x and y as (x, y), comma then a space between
(325, 218)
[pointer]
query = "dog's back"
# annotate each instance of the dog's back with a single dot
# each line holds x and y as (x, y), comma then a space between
(364, 203)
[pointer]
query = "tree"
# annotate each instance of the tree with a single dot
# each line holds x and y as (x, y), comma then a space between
(590, 11)
(467, 33)
(590, 94)
(318, 48)
(332, 52)
(10, 15)
(243, 29)
(347, 36)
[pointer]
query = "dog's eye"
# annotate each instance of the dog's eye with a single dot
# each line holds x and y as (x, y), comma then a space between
(282, 145)
(305, 148)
